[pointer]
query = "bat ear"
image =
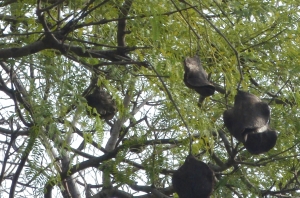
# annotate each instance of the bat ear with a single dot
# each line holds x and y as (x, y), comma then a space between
(193, 179)
(195, 77)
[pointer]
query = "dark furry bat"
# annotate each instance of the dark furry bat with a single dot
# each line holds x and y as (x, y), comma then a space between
(248, 121)
(195, 77)
(103, 103)
(194, 179)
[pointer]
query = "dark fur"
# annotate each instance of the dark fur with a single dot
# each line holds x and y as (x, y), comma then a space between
(194, 179)
(103, 103)
(195, 77)
(248, 121)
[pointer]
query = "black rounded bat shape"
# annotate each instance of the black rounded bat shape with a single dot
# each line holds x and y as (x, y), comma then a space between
(194, 179)
(248, 121)
(195, 77)
(103, 103)
(260, 142)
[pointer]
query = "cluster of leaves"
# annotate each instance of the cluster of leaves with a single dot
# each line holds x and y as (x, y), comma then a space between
(53, 52)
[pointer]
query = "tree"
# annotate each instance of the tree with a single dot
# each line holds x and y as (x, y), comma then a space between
(55, 53)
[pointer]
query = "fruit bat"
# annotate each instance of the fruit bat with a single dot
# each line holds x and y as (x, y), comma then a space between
(194, 179)
(248, 121)
(103, 103)
(195, 77)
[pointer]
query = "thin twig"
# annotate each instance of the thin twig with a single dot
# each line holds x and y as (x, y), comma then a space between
(279, 91)
(176, 107)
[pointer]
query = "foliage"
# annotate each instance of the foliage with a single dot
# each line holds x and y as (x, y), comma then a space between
(53, 53)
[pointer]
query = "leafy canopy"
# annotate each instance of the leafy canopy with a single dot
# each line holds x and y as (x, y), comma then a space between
(54, 53)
